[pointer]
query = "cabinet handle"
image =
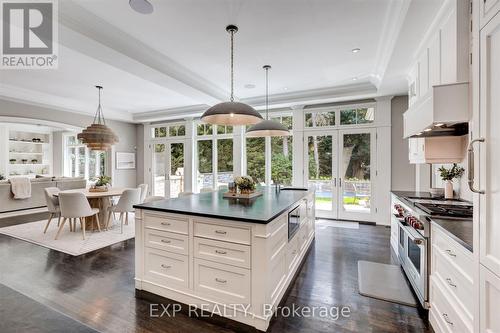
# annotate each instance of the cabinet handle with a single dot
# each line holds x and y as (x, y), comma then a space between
(470, 166)
(220, 252)
(165, 223)
(447, 319)
(165, 266)
(220, 280)
(450, 253)
(166, 241)
(450, 282)
(222, 232)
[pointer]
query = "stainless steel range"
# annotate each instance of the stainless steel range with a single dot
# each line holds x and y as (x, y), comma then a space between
(414, 236)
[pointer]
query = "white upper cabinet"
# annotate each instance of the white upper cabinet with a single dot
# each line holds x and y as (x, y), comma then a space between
(413, 85)
(489, 151)
(423, 72)
(435, 60)
(488, 9)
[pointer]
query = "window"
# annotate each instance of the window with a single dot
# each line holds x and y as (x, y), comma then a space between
(357, 116)
(172, 130)
(279, 161)
(319, 119)
(215, 155)
(79, 161)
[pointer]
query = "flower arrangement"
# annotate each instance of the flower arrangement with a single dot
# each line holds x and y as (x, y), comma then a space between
(2, 177)
(449, 174)
(245, 184)
(102, 181)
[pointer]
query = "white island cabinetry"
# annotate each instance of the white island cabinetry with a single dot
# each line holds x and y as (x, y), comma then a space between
(210, 263)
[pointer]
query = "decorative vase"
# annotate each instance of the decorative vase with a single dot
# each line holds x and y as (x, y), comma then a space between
(448, 189)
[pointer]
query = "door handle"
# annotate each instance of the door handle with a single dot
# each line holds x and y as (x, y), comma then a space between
(340, 182)
(470, 166)
(335, 182)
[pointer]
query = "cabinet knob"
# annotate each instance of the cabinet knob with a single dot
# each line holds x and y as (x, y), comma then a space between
(221, 232)
(165, 223)
(166, 241)
(220, 280)
(165, 266)
(220, 252)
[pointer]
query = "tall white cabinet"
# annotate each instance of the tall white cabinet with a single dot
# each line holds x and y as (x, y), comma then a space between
(487, 175)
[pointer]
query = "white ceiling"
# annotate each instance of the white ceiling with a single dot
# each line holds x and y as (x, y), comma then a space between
(176, 60)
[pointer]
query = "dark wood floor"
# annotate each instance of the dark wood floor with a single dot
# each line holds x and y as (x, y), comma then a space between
(98, 288)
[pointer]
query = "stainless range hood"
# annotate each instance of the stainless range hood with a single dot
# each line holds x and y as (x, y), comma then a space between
(443, 111)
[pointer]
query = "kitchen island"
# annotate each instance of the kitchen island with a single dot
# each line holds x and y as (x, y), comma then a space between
(231, 257)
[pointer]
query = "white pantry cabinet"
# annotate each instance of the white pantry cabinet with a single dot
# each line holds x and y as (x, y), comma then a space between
(489, 150)
(488, 9)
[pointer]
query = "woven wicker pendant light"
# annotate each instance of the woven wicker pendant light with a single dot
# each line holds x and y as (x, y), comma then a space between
(98, 136)
(231, 113)
(267, 127)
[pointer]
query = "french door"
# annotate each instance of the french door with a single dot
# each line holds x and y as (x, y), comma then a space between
(338, 163)
(168, 168)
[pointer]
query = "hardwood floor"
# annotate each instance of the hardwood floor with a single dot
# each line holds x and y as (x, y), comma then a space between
(98, 288)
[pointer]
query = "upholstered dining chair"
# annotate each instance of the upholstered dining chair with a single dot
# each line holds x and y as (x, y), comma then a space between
(206, 190)
(52, 205)
(144, 191)
(74, 205)
(125, 205)
(185, 194)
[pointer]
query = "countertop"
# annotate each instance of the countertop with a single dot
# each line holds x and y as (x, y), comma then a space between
(458, 229)
(262, 209)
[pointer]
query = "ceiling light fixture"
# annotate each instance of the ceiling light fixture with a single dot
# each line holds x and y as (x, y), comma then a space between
(267, 127)
(231, 113)
(356, 50)
(439, 125)
(98, 136)
(141, 6)
(427, 129)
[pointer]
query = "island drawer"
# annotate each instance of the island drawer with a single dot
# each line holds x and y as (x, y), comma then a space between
(223, 283)
(166, 222)
(165, 268)
(456, 254)
(168, 241)
(222, 232)
(223, 252)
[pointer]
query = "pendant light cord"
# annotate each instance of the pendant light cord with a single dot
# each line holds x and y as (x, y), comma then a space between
(232, 65)
(99, 116)
(267, 93)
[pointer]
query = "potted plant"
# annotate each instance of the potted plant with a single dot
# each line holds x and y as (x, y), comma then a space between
(12, 161)
(245, 184)
(447, 175)
(102, 183)
(2, 177)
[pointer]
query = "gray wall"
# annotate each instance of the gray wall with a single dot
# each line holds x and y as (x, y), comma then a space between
(140, 153)
(126, 132)
(403, 173)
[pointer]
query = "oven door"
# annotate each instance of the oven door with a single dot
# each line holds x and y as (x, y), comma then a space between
(415, 264)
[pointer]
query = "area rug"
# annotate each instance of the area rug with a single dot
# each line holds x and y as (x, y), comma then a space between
(386, 282)
(70, 242)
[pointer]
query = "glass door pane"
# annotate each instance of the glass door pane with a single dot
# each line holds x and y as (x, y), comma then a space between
(321, 172)
(355, 171)
(205, 165)
(224, 162)
(159, 168)
(256, 159)
(176, 170)
(281, 160)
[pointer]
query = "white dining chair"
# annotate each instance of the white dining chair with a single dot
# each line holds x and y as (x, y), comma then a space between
(153, 198)
(52, 205)
(74, 205)
(206, 190)
(185, 194)
(125, 205)
(144, 191)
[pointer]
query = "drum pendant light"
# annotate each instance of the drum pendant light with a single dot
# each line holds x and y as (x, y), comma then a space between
(231, 113)
(98, 136)
(267, 127)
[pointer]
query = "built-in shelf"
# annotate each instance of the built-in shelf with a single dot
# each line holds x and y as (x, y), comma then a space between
(28, 142)
(23, 153)
(28, 164)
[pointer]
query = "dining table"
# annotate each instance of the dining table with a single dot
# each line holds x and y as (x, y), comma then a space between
(98, 199)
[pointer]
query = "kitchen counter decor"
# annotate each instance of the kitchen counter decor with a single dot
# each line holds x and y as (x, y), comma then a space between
(243, 188)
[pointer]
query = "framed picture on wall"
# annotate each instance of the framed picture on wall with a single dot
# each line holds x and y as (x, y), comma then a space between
(125, 160)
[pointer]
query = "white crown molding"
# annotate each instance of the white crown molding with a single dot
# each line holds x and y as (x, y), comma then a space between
(170, 114)
(394, 19)
(36, 98)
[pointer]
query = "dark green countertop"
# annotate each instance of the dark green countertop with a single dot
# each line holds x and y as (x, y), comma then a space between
(262, 209)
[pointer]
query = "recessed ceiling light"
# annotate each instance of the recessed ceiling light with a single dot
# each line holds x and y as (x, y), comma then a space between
(141, 6)
(249, 86)
(354, 78)
(356, 50)
(285, 88)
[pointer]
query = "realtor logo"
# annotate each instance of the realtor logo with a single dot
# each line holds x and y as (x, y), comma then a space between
(29, 34)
